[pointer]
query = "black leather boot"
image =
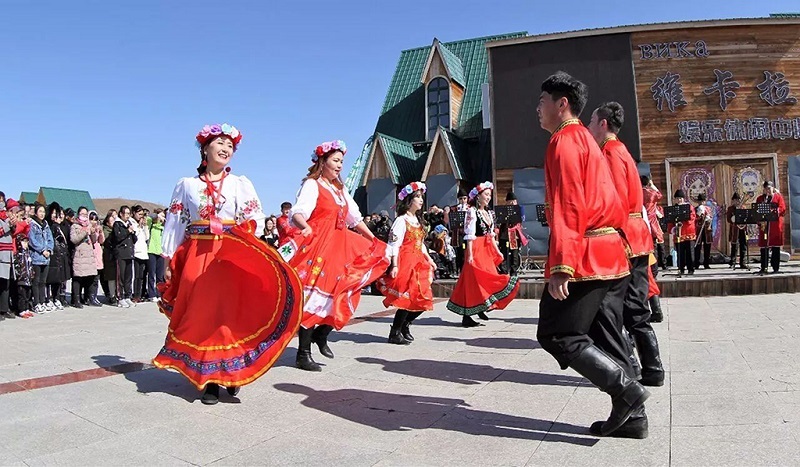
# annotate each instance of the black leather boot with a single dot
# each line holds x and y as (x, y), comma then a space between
(320, 337)
(656, 315)
(304, 360)
(405, 329)
(233, 390)
(395, 337)
(650, 356)
(211, 396)
(637, 370)
(627, 396)
(468, 322)
(483, 316)
(636, 427)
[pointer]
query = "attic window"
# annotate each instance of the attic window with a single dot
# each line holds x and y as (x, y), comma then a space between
(438, 105)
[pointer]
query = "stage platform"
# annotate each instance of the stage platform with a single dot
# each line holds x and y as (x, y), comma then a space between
(720, 280)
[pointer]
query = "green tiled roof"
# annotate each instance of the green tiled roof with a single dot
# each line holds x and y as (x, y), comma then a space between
(68, 198)
(405, 163)
(353, 179)
(403, 112)
(453, 64)
(28, 197)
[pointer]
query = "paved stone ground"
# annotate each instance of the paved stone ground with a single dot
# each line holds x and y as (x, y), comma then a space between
(481, 396)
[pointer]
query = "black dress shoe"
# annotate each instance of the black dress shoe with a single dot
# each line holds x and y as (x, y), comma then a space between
(211, 396)
(483, 316)
(77, 305)
(233, 390)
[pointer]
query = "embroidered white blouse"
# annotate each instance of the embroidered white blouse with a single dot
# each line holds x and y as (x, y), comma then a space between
(307, 201)
(471, 224)
(190, 203)
(399, 234)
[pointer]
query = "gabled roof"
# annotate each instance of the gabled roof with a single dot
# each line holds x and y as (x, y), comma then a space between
(67, 198)
(457, 152)
(28, 196)
(405, 163)
(353, 180)
(453, 65)
(403, 112)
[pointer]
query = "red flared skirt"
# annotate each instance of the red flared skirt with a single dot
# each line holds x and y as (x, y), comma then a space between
(411, 289)
(333, 266)
(480, 288)
(233, 305)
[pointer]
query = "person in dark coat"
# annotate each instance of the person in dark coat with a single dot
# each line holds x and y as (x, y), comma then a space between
(109, 279)
(59, 272)
(123, 239)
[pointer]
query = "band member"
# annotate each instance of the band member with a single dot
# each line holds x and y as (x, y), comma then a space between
(650, 197)
(283, 224)
(407, 286)
(737, 232)
(233, 304)
(684, 236)
(480, 288)
(333, 262)
(770, 234)
(511, 238)
(703, 229)
(604, 126)
(579, 323)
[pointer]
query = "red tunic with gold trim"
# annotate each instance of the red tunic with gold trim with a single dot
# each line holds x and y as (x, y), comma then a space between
(688, 231)
(583, 208)
(334, 263)
(233, 304)
(411, 289)
(480, 288)
(629, 186)
(775, 227)
(650, 198)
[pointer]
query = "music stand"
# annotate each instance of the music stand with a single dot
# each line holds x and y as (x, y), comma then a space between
(540, 215)
(765, 212)
(677, 213)
(457, 220)
(509, 214)
(744, 216)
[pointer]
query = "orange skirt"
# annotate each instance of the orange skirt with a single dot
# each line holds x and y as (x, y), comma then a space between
(411, 289)
(480, 288)
(233, 305)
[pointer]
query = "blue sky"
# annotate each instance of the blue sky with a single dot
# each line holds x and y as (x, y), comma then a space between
(108, 95)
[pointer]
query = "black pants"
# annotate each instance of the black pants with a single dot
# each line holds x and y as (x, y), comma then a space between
(155, 274)
(124, 278)
(39, 284)
(591, 314)
(741, 242)
(701, 241)
(5, 296)
(511, 258)
(774, 258)
(82, 288)
(24, 299)
(139, 276)
(636, 311)
(685, 256)
(459, 258)
(55, 291)
(660, 254)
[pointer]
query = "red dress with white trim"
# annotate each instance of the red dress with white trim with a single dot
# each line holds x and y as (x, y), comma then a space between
(233, 304)
(333, 263)
(411, 289)
(480, 288)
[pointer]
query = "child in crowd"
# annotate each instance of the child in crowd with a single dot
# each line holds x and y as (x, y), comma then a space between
(23, 270)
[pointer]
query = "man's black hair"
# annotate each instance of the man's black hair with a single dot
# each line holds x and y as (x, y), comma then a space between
(613, 114)
(561, 84)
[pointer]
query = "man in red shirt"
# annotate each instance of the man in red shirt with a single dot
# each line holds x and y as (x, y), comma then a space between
(580, 313)
(770, 234)
(285, 229)
(606, 122)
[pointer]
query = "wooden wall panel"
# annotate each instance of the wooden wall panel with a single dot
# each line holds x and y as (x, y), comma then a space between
(747, 52)
(456, 99)
(378, 167)
(440, 164)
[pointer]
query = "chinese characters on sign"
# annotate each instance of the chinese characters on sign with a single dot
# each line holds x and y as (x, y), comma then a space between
(775, 89)
(668, 90)
(734, 129)
(724, 87)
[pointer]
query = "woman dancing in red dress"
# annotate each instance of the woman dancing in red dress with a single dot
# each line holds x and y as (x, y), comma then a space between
(233, 304)
(407, 286)
(333, 263)
(480, 288)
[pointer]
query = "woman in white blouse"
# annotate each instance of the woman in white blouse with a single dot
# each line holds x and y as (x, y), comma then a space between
(333, 262)
(233, 304)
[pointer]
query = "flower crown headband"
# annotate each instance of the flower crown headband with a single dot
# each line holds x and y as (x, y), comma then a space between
(328, 146)
(411, 188)
(210, 132)
(473, 193)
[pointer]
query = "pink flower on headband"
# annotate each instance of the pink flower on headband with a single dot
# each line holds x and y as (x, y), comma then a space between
(209, 131)
(328, 146)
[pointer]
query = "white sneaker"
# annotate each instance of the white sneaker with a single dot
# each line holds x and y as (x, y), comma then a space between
(39, 309)
(123, 303)
(130, 303)
(58, 304)
(49, 307)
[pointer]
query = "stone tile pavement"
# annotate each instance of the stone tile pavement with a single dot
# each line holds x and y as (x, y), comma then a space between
(480, 396)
